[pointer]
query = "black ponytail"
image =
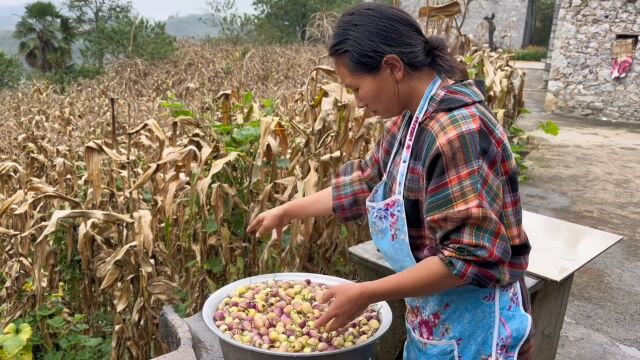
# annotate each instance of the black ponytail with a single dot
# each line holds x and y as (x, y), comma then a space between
(368, 32)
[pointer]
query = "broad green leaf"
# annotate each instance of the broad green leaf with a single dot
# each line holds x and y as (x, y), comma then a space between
(14, 339)
(267, 106)
(12, 344)
(247, 99)
(549, 127)
(246, 135)
(212, 226)
(183, 112)
(44, 311)
(56, 322)
(214, 265)
(516, 131)
(223, 129)
(89, 341)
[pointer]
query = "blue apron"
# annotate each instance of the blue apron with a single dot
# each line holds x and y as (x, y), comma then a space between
(463, 323)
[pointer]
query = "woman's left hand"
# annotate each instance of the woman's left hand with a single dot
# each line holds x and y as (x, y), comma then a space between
(349, 302)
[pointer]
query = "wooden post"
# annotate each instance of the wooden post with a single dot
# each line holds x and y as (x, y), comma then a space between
(114, 137)
(548, 306)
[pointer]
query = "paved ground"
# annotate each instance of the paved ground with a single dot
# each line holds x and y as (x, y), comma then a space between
(590, 174)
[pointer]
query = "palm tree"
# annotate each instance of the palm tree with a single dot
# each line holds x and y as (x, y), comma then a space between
(45, 37)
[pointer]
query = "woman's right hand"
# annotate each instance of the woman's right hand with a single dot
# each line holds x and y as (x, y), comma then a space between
(264, 223)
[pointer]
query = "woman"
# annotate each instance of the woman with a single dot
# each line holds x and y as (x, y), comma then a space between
(441, 192)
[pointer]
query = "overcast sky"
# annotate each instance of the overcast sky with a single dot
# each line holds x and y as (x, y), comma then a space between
(158, 9)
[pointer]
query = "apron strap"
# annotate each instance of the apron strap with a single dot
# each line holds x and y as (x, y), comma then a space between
(395, 147)
(406, 154)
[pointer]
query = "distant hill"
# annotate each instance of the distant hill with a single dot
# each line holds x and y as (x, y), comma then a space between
(7, 43)
(190, 26)
(9, 16)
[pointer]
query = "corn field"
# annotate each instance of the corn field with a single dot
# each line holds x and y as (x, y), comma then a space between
(124, 193)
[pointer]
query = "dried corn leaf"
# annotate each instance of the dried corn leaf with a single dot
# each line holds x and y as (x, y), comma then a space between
(153, 169)
(156, 130)
(8, 232)
(91, 214)
(7, 204)
(25, 206)
(447, 10)
(143, 234)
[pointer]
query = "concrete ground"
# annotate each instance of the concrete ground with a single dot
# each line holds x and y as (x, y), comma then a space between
(590, 175)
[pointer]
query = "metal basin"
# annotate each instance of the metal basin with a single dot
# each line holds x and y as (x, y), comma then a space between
(233, 350)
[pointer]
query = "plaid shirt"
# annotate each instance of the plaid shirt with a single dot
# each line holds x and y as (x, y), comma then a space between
(461, 192)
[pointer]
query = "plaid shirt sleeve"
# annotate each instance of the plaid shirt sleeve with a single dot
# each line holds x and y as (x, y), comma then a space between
(354, 182)
(464, 201)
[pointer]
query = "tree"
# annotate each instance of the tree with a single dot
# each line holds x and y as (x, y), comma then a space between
(45, 37)
(10, 71)
(95, 17)
(284, 21)
(233, 27)
(131, 37)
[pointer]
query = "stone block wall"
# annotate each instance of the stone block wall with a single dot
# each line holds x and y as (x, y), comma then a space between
(579, 81)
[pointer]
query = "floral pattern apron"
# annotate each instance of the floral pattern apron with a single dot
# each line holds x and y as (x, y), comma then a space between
(463, 323)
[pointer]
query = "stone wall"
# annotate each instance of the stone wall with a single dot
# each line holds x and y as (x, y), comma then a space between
(511, 18)
(580, 82)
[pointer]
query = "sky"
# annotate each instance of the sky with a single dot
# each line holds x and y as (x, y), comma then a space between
(157, 9)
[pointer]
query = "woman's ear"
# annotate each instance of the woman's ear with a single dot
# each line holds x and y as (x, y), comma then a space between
(393, 64)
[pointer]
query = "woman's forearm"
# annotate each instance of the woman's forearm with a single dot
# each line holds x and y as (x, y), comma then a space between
(314, 205)
(428, 277)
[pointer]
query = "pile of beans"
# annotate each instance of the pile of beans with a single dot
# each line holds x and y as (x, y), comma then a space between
(281, 315)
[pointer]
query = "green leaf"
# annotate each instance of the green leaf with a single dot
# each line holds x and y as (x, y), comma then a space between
(282, 163)
(147, 196)
(57, 355)
(212, 226)
(214, 265)
(80, 327)
(267, 106)
(223, 129)
(25, 353)
(14, 339)
(12, 345)
(246, 135)
(247, 99)
(67, 342)
(181, 309)
(89, 341)
(119, 184)
(240, 265)
(44, 311)
(183, 112)
(524, 111)
(56, 322)
(549, 127)
(517, 148)
(343, 231)
(25, 332)
(516, 131)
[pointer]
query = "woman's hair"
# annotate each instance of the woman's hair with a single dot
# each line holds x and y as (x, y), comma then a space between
(368, 32)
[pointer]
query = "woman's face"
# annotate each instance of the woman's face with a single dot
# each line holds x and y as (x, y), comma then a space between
(376, 93)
